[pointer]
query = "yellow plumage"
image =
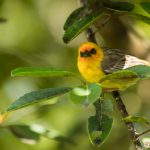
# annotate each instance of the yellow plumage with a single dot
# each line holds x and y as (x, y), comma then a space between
(90, 59)
(90, 67)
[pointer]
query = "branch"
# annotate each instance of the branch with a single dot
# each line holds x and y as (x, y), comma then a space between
(91, 35)
(130, 126)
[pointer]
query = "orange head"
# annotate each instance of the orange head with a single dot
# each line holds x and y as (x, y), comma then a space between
(89, 61)
(90, 51)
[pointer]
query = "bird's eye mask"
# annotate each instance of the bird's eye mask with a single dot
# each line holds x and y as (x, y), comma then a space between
(88, 53)
(93, 51)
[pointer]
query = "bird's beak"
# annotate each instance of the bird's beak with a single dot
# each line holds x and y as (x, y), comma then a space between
(85, 54)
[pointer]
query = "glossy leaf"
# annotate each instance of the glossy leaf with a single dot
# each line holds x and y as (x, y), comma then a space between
(31, 134)
(119, 80)
(136, 119)
(99, 126)
(146, 6)
(80, 25)
(119, 6)
(99, 130)
(73, 17)
(107, 106)
(36, 97)
(141, 17)
(141, 70)
(40, 72)
(85, 94)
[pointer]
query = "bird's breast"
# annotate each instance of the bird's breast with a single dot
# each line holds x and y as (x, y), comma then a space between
(90, 71)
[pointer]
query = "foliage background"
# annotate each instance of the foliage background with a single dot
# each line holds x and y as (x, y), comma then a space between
(32, 36)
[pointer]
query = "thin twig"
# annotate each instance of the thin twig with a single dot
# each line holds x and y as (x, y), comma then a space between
(90, 35)
(140, 134)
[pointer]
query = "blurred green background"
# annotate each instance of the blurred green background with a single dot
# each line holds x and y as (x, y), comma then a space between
(32, 36)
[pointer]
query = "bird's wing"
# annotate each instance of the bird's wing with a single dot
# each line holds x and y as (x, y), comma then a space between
(114, 60)
(133, 61)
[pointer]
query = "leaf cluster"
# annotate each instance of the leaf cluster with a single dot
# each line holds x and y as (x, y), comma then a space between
(80, 19)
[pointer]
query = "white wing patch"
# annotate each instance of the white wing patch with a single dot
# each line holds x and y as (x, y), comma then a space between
(133, 61)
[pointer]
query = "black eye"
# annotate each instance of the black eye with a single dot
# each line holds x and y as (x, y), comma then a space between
(81, 54)
(93, 51)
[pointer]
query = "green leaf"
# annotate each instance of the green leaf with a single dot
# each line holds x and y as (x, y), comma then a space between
(119, 80)
(107, 106)
(146, 6)
(24, 133)
(36, 97)
(40, 72)
(80, 25)
(51, 134)
(141, 70)
(73, 17)
(99, 126)
(136, 119)
(86, 94)
(30, 134)
(119, 6)
(99, 131)
(141, 17)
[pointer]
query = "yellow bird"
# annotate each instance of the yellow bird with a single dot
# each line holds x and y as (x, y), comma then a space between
(94, 63)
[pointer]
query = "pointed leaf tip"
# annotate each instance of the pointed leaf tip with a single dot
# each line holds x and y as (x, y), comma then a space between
(40, 72)
(80, 25)
(99, 131)
(73, 17)
(36, 97)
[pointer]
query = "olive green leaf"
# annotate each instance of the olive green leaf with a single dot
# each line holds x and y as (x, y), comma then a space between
(99, 126)
(146, 6)
(99, 133)
(80, 25)
(40, 72)
(119, 80)
(141, 70)
(85, 94)
(73, 17)
(30, 134)
(36, 97)
(119, 6)
(136, 119)
(107, 106)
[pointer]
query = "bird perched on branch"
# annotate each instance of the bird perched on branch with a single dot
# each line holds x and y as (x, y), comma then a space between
(94, 63)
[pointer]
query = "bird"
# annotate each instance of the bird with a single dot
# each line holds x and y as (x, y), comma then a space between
(95, 63)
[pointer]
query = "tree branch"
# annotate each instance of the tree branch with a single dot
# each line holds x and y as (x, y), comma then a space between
(130, 126)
